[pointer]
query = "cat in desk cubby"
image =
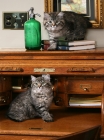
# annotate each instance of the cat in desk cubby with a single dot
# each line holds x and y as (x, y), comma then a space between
(33, 102)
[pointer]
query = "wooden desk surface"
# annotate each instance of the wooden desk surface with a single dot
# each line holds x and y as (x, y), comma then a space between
(35, 54)
(12, 60)
(66, 121)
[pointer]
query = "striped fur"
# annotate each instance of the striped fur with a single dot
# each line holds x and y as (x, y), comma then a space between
(70, 25)
(33, 102)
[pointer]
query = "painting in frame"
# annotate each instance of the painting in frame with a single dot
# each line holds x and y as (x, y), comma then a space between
(78, 6)
(94, 9)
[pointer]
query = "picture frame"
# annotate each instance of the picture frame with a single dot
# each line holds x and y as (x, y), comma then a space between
(95, 11)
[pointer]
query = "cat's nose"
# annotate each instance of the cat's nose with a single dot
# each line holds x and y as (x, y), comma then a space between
(39, 85)
(53, 23)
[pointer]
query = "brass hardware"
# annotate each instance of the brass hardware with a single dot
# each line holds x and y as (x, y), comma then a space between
(38, 128)
(11, 69)
(58, 101)
(44, 69)
(85, 87)
(82, 69)
(2, 99)
(4, 78)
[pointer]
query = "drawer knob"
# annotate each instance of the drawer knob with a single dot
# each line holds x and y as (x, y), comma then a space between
(85, 89)
(58, 101)
(2, 100)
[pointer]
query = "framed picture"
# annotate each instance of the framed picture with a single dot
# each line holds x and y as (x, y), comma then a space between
(94, 9)
(78, 6)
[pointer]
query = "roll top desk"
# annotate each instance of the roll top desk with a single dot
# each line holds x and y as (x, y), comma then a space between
(73, 72)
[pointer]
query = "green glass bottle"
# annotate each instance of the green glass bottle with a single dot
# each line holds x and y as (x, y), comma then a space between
(32, 31)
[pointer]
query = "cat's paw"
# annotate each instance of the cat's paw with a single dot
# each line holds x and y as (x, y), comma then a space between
(48, 118)
(53, 46)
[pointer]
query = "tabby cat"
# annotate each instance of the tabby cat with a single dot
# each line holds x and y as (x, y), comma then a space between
(33, 102)
(70, 25)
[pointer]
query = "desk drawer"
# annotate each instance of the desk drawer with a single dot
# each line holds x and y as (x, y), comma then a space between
(27, 69)
(84, 86)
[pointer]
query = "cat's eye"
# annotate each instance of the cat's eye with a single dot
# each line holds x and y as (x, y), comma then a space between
(57, 22)
(35, 84)
(44, 84)
(47, 84)
(46, 24)
(49, 21)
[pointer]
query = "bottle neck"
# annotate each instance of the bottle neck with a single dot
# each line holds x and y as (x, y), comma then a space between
(32, 18)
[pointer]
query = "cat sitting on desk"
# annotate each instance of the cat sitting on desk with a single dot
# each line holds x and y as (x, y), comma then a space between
(33, 102)
(70, 25)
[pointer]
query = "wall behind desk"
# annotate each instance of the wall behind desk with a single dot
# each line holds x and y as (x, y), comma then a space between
(15, 38)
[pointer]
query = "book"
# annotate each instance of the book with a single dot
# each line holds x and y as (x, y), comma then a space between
(83, 47)
(16, 87)
(45, 46)
(48, 41)
(85, 104)
(45, 42)
(85, 101)
(76, 43)
(71, 43)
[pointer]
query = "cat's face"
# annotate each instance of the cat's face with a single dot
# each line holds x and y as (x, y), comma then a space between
(54, 21)
(41, 82)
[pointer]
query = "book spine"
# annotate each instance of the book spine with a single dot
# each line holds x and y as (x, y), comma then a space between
(45, 46)
(80, 43)
(76, 48)
(45, 42)
(70, 43)
(75, 43)
(65, 43)
(64, 48)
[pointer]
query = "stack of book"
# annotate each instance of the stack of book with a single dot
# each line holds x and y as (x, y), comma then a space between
(72, 45)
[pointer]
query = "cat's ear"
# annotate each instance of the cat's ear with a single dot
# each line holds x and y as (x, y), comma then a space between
(33, 78)
(46, 77)
(61, 14)
(46, 15)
